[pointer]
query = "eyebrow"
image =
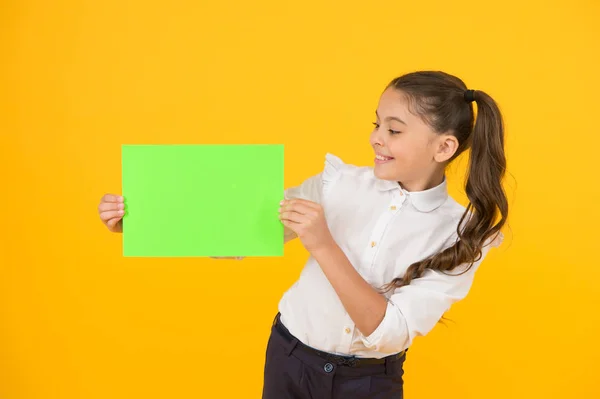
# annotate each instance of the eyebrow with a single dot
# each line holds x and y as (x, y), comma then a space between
(391, 118)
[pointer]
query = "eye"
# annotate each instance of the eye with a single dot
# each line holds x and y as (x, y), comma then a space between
(376, 125)
(394, 131)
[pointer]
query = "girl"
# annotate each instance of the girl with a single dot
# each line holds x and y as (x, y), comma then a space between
(390, 251)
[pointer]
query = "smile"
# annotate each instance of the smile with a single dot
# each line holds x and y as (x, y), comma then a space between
(379, 159)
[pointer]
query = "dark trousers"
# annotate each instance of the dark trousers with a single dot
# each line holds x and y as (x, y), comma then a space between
(293, 371)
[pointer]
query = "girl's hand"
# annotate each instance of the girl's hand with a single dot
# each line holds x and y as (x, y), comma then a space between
(307, 220)
(111, 210)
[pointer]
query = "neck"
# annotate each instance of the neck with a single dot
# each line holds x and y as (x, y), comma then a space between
(424, 184)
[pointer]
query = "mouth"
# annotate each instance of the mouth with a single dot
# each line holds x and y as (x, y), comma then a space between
(379, 159)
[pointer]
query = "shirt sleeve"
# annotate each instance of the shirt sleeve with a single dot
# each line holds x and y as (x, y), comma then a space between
(317, 186)
(414, 310)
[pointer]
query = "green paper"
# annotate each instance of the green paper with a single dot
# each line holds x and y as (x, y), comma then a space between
(202, 200)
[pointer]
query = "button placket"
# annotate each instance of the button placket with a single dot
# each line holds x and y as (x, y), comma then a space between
(346, 335)
(345, 342)
(378, 232)
(397, 201)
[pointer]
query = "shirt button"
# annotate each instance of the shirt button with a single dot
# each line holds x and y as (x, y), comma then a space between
(373, 243)
(347, 330)
(328, 368)
(401, 193)
(393, 207)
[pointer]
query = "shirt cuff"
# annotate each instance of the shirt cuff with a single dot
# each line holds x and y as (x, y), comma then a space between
(391, 334)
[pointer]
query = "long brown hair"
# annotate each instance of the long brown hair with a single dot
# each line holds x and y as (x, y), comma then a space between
(445, 105)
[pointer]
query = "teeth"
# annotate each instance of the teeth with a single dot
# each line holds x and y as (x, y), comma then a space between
(382, 158)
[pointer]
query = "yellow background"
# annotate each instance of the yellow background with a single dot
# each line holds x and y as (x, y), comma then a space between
(79, 78)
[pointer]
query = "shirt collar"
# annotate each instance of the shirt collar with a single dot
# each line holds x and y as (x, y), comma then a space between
(424, 201)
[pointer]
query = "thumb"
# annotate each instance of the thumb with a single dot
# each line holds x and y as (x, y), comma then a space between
(112, 223)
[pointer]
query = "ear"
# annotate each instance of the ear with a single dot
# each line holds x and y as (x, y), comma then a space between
(446, 147)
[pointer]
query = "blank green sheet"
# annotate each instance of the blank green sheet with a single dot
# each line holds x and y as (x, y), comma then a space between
(202, 200)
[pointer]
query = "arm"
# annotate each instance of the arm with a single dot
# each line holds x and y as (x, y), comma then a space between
(386, 325)
(365, 306)
(363, 303)
(390, 326)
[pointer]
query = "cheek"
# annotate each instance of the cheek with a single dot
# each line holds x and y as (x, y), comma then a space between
(400, 149)
(410, 154)
(411, 149)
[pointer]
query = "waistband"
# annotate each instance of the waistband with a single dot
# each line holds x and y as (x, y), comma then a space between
(340, 360)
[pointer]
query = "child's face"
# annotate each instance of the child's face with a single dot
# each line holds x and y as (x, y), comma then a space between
(411, 149)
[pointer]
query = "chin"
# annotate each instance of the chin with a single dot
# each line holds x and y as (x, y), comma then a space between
(382, 174)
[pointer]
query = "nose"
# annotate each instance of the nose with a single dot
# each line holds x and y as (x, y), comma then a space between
(376, 138)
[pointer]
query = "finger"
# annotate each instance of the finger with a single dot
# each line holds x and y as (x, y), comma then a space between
(109, 215)
(293, 226)
(112, 198)
(303, 206)
(302, 209)
(112, 222)
(303, 202)
(294, 217)
(289, 207)
(110, 206)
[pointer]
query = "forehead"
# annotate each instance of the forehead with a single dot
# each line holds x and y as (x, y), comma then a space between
(394, 103)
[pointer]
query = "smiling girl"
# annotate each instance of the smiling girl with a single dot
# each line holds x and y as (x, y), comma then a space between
(390, 250)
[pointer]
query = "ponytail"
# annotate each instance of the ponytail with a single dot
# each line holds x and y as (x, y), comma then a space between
(487, 211)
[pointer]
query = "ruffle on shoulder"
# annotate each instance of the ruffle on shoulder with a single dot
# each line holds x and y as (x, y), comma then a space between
(334, 168)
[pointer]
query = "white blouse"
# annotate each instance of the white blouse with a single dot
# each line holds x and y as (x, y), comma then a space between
(382, 229)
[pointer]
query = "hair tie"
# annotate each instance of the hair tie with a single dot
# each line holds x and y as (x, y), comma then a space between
(469, 96)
